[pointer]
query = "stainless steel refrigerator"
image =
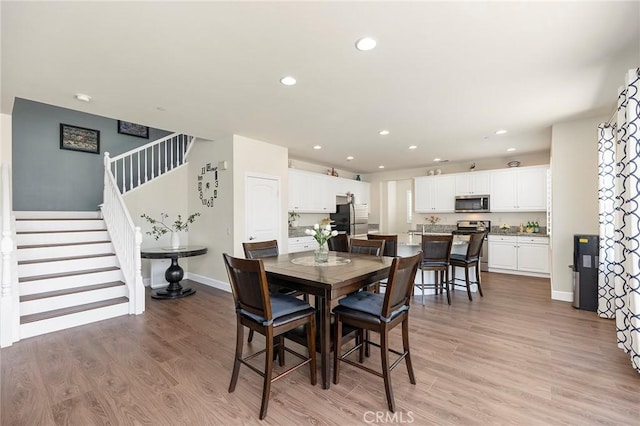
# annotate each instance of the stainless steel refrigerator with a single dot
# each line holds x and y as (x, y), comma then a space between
(352, 219)
(585, 272)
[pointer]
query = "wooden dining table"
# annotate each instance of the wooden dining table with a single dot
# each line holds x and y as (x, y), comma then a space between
(344, 273)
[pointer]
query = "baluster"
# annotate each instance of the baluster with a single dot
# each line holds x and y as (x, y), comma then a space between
(154, 150)
(171, 145)
(130, 172)
(139, 152)
(166, 154)
(124, 178)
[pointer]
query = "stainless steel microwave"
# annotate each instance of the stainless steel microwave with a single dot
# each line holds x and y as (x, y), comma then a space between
(472, 203)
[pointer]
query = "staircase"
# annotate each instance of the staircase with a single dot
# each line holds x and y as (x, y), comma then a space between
(68, 273)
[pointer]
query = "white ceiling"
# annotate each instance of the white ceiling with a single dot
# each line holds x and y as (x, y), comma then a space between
(444, 76)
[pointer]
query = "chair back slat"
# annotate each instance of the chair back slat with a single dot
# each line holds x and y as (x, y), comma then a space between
(400, 283)
(436, 248)
(249, 285)
(339, 243)
(475, 245)
(260, 249)
(390, 243)
(370, 247)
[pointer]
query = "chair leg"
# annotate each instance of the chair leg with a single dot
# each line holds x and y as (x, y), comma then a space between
(366, 345)
(280, 350)
(311, 347)
(250, 338)
(466, 279)
(423, 287)
(446, 285)
(238, 356)
(337, 348)
(268, 370)
(386, 373)
(478, 280)
(405, 347)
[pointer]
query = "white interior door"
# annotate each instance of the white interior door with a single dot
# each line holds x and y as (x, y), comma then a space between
(262, 209)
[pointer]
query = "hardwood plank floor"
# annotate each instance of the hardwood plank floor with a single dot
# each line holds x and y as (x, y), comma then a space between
(512, 357)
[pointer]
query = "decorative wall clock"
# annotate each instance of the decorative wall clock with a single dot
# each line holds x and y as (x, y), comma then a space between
(208, 185)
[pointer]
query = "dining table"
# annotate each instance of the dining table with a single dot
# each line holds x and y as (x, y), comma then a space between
(342, 274)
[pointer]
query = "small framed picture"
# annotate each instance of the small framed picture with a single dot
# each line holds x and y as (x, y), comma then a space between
(133, 129)
(79, 139)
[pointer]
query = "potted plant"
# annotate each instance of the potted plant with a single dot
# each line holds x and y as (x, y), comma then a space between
(162, 226)
(293, 219)
(433, 220)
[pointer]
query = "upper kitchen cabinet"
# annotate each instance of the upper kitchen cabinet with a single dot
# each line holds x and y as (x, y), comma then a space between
(519, 189)
(473, 183)
(435, 194)
(311, 192)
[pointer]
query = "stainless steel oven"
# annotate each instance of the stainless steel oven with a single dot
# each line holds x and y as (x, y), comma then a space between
(466, 227)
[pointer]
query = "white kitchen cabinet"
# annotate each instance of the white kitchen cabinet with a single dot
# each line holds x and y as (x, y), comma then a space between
(435, 194)
(298, 244)
(473, 183)
(527, 255)
(311, 192)
(519, 189)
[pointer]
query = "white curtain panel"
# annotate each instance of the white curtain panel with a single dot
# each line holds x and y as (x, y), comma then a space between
(619, 195)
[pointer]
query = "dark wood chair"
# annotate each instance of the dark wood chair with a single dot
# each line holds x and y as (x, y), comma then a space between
(436, 251)
(259, 250)
(339, 243)
(379, 313)
(271, 315)
(467, 261)
(390, 249)
(370, 247)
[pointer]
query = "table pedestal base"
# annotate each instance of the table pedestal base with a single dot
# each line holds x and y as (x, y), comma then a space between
(174, 290)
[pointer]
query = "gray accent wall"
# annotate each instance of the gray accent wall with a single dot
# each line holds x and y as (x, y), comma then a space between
(48, 178)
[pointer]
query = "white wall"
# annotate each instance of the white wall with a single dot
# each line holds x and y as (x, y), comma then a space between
(254, 156)
(574, 205)
(5, 139)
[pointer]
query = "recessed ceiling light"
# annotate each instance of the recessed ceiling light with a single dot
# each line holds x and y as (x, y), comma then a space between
(501, 132)
(437, 159)
(288, 80)
(317, 147)
(349, 158)
(511, 149)
(412, 147)
(383, 132)
(381, 166)
(82, 97)
(365, 43)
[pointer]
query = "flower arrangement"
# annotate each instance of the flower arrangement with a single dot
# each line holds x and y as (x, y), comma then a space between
(433, 219)
(160, 227)
(505, 227)
(293, 218)
(321, 233)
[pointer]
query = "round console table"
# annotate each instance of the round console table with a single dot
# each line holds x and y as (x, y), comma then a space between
(174, 272)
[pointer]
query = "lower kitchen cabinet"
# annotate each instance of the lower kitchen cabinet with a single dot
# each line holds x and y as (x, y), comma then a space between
(298, 244)
(524, 255)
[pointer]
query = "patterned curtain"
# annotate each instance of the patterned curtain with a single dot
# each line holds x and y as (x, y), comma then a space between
(619, 198)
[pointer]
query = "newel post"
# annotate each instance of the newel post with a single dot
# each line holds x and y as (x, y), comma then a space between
(138, 283)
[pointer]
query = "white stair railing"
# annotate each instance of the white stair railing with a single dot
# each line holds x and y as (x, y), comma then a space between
(125, 237)
(139, 166)
(9, 296)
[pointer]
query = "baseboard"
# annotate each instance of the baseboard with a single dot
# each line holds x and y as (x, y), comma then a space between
(221, 285)
(565, 296)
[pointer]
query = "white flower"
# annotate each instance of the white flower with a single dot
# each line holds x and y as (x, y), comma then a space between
(316, 226)
(334, 233)
(308, 231)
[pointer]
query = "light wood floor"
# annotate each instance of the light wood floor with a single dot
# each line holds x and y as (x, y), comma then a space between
(512, 357)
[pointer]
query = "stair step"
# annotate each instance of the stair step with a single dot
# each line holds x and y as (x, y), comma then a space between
(43, 252)
(60, 237)
(64, 292)
(71, 299)
(62, 281)
(97, 214)
(48, 225)
(53, 266)
(66, 274)
(61, 259)
(93, 312)
(35, 246)
(72, 310)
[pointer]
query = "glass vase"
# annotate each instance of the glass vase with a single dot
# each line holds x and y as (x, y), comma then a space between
(321, 255)
(175, 240)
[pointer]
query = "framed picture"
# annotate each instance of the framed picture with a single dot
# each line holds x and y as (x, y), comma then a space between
(79, 139)
(133, 129)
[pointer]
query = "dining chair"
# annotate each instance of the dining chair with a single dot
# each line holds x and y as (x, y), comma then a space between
(379, 313)
(339, 243)
(471, 259)
(271, 315)
(259, 250)
(436, 251)
(370, 247)
(390, 249)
